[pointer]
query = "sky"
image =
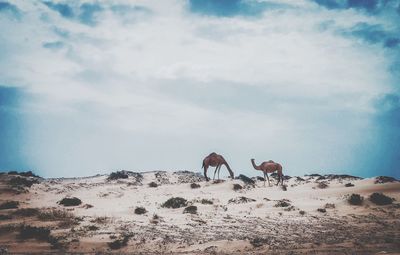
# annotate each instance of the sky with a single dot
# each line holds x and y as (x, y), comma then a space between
(90, 87)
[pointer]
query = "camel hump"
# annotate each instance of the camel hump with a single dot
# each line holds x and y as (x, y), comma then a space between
(270, 161)
(213, 154)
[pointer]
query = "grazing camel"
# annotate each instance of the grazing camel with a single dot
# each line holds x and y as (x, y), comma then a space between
(269, 167)
(216, 160)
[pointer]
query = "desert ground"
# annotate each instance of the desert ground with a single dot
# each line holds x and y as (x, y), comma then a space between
(179, 212)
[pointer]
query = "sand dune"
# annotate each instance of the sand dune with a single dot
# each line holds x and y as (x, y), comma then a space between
(312, 216)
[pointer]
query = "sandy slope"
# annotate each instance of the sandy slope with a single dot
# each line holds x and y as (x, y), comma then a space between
(222, 227)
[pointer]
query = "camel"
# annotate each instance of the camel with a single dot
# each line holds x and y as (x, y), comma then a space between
(269, 167)
(216, 160)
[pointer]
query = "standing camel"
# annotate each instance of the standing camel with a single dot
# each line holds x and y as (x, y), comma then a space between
(216, 160)
(269, 167)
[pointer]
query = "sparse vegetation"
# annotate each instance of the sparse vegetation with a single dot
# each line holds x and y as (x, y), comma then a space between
(237, 187)
(70, 201)
(205, 201)
(302, 212)
(355, 199)
(283, 203)
(321, 210)
(329, 206)
(384, 179)
(54, 215)
(246, 179)
(120, 242)
(349, 184)
(195, 185)
(175, 202)
(156, 219)
(284, 187)
(140, 210)
(380, 199)
(5, 217)
(117, 175)
(100, 220)
(27, 212)
(39, 233)
(25, 174)
(22, 182)
(9, 205)
(153, 185)
(240, 200)
(322, 185)
(190, 209)
(258, 242)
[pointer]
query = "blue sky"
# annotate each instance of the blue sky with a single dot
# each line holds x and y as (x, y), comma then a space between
(89, 87)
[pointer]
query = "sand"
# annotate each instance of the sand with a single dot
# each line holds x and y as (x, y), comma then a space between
(230, 225)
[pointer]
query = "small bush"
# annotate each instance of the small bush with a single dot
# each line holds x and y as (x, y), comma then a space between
(117, 175)
(92, 228)
(206, 202)
(282, 203)
(27, 212)
(26, 174)
(246, 179)
(39, 233)
(5, 217)
(190, 209)
(330, 206)
(259, 178)
(302, 212)
(321, 210)
(195, 186)
(349, 184)
(380, 199)
(119, 243)
(153, 185)
(240, 200)
(284, 187)
(54, 215)
(140, 210)
(175, 202)
(237, 187)
(156, 219)
(384, 179)
(258, 242)
(70, 201)
(322, 185)
(9, 205)
(22, 182)
(355, 199)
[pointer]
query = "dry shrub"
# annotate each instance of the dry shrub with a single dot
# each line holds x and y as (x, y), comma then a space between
(349, 184)
(22, 182)
(27, 212)
(153, 185)
(384, 179)
(329, 206)
(302, 212)
(237, 187)
(175, 202)
(321, 210)
(322, 185)
(190, 209)
(258, 241)
(39, 233)
(206, 202)
(100, 220)
(117, 175)
(283, 203)
(140, 210)
(9, 205)
(195, 186)
(120, 242)
(240, 200)
(246, 179)
(355, 199)
(54, 215)
(70, 201)
(380, 199)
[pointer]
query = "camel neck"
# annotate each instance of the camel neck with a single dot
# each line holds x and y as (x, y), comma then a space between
(254, 165)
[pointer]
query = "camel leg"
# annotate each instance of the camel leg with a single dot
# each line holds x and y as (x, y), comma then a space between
(264, 179)
(269, 184)
(205, 172)
(219, 169)
(215, 171)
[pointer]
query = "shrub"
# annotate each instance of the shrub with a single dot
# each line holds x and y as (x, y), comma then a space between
(282, 203)
(322, 185)
(92, 227)
(322, 210)
(54, 214)
(153, 185)
(140, 210)
(246, 179)
(39, 233)
(259, 178)
(195, 186)
(26, 174)
(70, 201)
(117, 175)
(9, 205)
(384, 179)
(175, 202)
(206, 202)
(120, 242)
(22, 182)
(240, 200)
(5, 217)
(330, 206)
(355, 199)
(302, 212)
(349, 184)
(237, 187)
(258, 242)
(190, 209)
(27, 212)
(284, 187)
(380, 199)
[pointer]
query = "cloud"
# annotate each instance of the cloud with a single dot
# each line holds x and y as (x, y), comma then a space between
(227, 7)
(53, 45)
(88, 13)
(63, 9)
(11, 9)
(392, 42)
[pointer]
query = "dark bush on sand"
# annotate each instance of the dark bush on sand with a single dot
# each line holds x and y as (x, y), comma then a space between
(190, 209)
(282, 203)
(120, 242)
(26, 174)
(349, 184)
(323, 185)
(70, 201)
(245, 179)
(240, 200)
(195, 186)
(175, 202)
(24, 182)
(380, 199)
(384, 179)
(355, 199)
(27, 212)
(237, 187)
(39, 233)
(206, 202)
(9, 205)
(153, 185)
(140, 210)
(322, 210)
(117, 175)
